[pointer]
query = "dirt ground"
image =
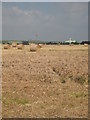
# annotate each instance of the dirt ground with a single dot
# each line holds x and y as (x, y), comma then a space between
(52, 82)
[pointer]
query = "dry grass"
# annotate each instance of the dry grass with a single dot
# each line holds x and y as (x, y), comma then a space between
(33, 47)
(14, 44)
(46, 83)
(85, 45)
(6, 46)
(20, 46)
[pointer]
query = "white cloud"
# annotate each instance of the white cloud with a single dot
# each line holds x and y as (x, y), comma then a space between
(67, 18)
(17, 17)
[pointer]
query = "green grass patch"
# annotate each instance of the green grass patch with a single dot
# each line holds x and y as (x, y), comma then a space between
(21, 101)
(79, 94)
(80, 79)
(42, 106)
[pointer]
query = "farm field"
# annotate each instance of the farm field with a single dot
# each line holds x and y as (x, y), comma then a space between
(51, 82)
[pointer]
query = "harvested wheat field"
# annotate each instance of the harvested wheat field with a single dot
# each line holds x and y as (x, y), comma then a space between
(49, 82)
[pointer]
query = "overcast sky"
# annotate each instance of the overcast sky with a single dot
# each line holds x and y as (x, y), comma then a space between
(45, 21)
(0, 21)
(45, 0)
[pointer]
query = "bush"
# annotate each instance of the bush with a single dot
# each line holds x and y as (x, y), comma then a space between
(63, 81)
(80, 79)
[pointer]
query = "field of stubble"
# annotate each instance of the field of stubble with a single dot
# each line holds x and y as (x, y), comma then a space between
(52, 82)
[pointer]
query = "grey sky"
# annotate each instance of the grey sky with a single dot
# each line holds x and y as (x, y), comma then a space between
(47, 21)
(45, 0)
(0, 21)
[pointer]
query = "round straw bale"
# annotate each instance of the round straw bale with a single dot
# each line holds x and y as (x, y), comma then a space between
(85, 45)
(33, 47)
(14, 44)
(20, 46)
(40, 45)
(6, 46)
